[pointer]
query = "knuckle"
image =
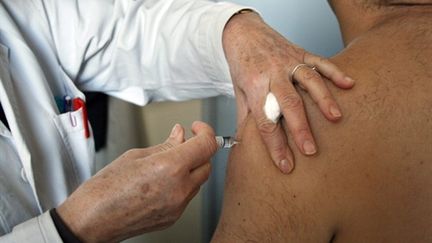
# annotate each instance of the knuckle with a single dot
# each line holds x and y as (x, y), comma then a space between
(277, 64)
(322, 59)
(175, 169)
(302, 132)
(291, 101)
(277, 151)
(166, 165)
(256, 84)
(166, 146)
(327, 99)
(291, 63)
(266, 126)
(311, 77)
(299, 52)
(256, 77)
(278, 147)
(132, 153)
(307, 56)
(252, 78)
(162, 166)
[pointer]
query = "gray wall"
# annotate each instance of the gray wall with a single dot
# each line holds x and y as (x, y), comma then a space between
(308, 23)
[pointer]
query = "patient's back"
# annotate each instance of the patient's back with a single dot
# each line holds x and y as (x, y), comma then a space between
(372, 178)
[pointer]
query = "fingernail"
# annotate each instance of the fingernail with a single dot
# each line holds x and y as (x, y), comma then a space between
(286, 166)
(309, 148)
(350, 80)
(335, 112)
(175, 131)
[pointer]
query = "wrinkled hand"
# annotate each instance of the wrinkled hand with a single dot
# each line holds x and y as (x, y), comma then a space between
(262, 61)
(143, 190)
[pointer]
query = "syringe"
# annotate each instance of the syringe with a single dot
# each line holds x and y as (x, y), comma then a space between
(225, 142)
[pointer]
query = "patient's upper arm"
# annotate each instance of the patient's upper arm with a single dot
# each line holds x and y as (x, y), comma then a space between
(263, 205)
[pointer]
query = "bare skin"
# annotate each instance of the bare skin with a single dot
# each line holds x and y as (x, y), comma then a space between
(143, 190)
(261, 61)
(372, 180)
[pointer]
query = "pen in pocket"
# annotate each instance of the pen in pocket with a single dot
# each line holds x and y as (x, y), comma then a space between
(67, 104)
(78, 103)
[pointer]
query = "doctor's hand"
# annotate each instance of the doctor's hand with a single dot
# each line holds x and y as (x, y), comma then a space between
(143, 190)
(263, 61)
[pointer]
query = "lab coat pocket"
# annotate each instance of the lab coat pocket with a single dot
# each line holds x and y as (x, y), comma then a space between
(79, 147)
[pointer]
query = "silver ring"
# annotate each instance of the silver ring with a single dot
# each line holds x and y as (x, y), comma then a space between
(296, 68)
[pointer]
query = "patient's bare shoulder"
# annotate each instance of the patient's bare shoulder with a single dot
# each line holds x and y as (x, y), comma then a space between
(263, 205)
(372, 178)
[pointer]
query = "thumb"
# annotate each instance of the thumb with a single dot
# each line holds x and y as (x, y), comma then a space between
(199, 149)
(177, 135)
(175, 138)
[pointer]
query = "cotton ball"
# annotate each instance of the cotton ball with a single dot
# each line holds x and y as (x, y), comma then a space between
(272, 108)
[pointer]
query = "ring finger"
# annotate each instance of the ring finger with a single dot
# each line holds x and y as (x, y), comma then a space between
(310, 80)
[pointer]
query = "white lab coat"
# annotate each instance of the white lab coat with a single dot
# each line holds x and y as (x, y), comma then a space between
(137, 50)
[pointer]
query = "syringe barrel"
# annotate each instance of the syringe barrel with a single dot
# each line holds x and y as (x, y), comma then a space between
(224, 142)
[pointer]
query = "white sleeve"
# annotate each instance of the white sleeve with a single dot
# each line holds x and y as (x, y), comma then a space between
(143, 50)
(40, 229)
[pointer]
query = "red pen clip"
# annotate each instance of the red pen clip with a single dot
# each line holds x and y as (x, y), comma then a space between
(78, 103)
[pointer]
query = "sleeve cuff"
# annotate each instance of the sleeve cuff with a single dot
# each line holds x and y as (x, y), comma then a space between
(65, 233)
(211, 47)
(38, 229)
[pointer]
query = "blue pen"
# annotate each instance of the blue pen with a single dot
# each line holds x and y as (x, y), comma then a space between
(67, 104)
